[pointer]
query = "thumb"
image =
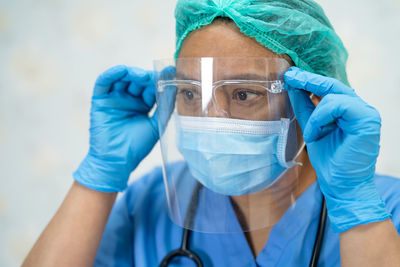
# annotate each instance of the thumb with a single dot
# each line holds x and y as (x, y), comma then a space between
(301, 104)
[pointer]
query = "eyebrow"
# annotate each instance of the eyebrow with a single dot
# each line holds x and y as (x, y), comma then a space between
(181, 76)
(242, 76)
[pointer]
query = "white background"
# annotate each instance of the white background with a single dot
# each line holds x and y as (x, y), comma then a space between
(51, 52)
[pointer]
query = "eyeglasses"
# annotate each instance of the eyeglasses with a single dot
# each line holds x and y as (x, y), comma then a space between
(241, 99)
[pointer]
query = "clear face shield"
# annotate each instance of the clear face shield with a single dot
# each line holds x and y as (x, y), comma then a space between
(229, 142)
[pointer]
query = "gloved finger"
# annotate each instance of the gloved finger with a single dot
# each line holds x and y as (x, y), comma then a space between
(314, 83)
(126, 103)
(326, 113)
(154, 123)
(105, 80)
(138, 74)
(119, 87)
(149, 95)
(350, 114)
(165, 106)
(301, 104)
(168, 73)
(138, 79)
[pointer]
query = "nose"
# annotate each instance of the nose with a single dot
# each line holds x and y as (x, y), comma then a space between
(219, 105)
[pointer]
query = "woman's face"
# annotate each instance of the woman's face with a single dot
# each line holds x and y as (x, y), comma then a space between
(224, 40)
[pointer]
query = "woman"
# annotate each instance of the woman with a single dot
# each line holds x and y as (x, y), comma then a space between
(341, 133)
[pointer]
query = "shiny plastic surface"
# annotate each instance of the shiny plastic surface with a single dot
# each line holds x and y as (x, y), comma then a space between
(228, 126)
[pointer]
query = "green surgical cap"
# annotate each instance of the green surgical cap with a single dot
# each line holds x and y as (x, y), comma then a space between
(298, 28)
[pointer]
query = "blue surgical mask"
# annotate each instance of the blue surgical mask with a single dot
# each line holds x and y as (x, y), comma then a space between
(231, 156)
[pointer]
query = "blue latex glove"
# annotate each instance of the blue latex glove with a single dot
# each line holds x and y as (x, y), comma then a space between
(342, 137)
(121, 133)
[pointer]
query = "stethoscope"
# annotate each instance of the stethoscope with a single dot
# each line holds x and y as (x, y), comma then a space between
(184, 250)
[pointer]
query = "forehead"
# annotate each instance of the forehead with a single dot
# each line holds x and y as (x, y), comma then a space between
(225, 68)
(223, 41)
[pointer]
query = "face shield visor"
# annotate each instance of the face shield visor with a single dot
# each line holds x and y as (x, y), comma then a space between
(229, 142)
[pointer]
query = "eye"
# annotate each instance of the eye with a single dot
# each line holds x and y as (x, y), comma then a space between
(243, 94)
(188, 94)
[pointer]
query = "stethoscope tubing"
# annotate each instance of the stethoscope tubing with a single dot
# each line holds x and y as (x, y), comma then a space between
(184, 250)
(320, 235)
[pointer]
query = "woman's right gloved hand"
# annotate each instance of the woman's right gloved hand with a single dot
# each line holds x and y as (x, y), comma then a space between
(342, 134)
(121, 133)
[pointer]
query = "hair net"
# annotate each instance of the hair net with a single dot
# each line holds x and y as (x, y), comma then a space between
(298, 28)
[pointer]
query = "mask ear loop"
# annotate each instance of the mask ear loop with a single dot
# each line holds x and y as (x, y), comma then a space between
(282, 142)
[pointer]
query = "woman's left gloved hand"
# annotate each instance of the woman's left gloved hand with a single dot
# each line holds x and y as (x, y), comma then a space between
(342, 137)
(121, 131)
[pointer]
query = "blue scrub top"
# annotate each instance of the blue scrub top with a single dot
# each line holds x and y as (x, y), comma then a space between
(140, 233)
